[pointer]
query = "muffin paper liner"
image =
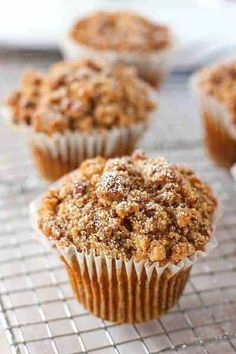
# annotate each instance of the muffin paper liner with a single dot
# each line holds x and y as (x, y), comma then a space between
(75, 146)
(60, 153)
(220, 132)
(106, 286)
(157, 63)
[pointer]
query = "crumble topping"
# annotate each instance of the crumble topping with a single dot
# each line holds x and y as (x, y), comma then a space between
(220, 81)
(81, 95)
(131, 207)
(120, 31)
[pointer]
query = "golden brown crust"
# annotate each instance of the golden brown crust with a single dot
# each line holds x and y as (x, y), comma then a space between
(84, 95)
(120, 31)
(219, 82)
(131, 207)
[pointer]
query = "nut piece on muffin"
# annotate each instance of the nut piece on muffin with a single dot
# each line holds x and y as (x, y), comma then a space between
(79, 110)
(142, 219)
(215, 87)
(126, 37)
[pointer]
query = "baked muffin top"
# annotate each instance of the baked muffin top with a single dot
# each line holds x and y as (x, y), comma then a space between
(219, 81)
(120, 31)
(84, 95)
(128, 207)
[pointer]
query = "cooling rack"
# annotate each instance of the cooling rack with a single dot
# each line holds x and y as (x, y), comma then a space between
(37, 309)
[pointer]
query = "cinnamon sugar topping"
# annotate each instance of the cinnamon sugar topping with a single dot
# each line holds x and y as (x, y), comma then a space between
(82, 95)
(219, 81)
(131, 207)
(120, 31)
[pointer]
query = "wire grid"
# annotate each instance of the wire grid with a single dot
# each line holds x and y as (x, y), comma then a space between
(37, 308)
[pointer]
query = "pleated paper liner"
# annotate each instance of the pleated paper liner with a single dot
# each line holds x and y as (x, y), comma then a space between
(219, 131)
(152, 66)
(120, 295)
(61, 153)
(121, 290)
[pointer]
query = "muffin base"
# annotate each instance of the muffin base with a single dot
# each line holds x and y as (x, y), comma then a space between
(220, 145)
(120, 298)
(51, 168)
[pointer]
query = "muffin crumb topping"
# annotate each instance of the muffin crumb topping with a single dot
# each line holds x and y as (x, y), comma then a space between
(120, 31)
(83, 95)
(131, 207)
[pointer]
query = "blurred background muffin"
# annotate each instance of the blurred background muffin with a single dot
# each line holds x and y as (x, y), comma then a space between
(123, 37)
(215, 87)
(79, 110)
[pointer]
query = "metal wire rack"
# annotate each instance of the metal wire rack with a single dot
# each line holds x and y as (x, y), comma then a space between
(37, 308)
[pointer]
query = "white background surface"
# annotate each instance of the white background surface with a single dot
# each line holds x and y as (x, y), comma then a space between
(41, 23)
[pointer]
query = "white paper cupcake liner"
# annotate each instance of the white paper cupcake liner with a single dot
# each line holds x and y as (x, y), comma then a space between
(158, 62)
(75, 146)
(89, 259)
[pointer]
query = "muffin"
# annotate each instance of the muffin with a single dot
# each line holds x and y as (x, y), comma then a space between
(128, 231)
(123, 37)
(79, 110)
(215, 88)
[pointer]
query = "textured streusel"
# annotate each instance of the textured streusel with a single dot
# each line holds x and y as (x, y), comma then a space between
(24, 102)
(82, 95)
(219, 81)
(131, 206)
(120, 31)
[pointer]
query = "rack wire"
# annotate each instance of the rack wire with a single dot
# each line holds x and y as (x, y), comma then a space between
(37, 309)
